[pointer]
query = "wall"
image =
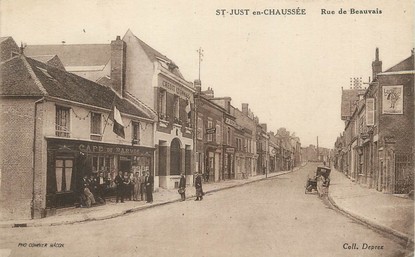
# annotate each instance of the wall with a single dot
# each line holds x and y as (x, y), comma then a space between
(80, 125)
(141, 74)
(16, 156)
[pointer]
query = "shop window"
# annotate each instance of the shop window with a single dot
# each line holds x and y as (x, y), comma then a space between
(199, 128)
(63, 174)
(210, 135)
(62, 122)
(136, 133)
(101, 164)
(96, 126)
(218, 135)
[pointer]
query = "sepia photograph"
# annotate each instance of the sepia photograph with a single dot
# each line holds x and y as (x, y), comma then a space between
(207, 128)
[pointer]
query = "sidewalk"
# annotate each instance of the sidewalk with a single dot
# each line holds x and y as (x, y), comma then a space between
(385, 212)
(112, 210)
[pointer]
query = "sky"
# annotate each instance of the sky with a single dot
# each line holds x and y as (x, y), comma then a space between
(290, 69)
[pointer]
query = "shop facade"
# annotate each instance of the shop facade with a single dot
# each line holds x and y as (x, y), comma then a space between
(68, 161)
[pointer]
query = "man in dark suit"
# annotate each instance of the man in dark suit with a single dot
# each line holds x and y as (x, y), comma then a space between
(149, 182)
(198, 186)
(182, 187)
(119, 181)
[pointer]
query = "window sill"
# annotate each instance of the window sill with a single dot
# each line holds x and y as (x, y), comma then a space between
(96, 137)
(163, 123)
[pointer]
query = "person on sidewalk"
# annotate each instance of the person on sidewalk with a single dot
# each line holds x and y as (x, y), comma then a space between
(149, 182)
(198, 186)
(101, 185)
(119, 182)
(143, 187)
(137, 184)
(127, 186)
(182, 187)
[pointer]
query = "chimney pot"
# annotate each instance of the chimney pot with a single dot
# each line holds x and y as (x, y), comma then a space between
(118, 38)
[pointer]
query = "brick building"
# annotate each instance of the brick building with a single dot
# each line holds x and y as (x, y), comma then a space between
(209, 135)
(145, 76)
(248, 154)
(56, 129)
(377, 146)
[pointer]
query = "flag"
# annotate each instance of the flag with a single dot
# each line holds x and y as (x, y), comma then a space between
(118, 127)
(188, 110)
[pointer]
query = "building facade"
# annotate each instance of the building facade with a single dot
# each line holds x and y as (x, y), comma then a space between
(57, 129)
(377, 146)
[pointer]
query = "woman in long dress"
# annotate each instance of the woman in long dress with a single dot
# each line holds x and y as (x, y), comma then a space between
(137, 186)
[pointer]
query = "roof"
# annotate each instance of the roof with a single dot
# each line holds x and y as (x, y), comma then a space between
(349, 99)
(16, 79)
(405, 65)
(74, 55)
(52, 60)
(3, 38)
(24, 76)
(7, 47)
(154, 55)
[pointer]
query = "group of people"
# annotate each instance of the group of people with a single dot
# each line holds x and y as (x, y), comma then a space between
(133, 186)
(93, 189)
(128, 185)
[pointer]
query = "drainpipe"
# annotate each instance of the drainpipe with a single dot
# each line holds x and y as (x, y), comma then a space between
(34, 157)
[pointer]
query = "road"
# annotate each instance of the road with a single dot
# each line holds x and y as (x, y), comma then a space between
(269, 218)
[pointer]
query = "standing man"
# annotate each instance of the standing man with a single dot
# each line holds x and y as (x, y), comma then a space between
(101, 185)
(182, 187)
(119, 181)
(198, 186)
(149, 182)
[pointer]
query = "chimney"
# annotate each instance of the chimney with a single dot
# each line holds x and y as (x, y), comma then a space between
(264, 126)
(376, 65)
(198, 85)
(245, 109)
(209, 93)
(118, 64)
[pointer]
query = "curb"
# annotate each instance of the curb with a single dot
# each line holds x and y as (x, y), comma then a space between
(372, 224)
(134, 209)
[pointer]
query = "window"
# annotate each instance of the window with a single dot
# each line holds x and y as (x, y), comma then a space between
(176, 108)
(199, 128)
(96, 125)
(218, 134)
(210, 135)
(370, 111)
(62, 123)
(101, 164)
(63, 173)
(162, 104)
(228, 137)
(136, 133)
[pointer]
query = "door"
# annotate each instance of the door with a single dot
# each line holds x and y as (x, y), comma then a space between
(217, 165)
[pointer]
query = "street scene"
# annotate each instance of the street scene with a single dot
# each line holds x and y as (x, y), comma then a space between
(206, 129)
(276, 210)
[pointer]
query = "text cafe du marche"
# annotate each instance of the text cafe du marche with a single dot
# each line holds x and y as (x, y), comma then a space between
(111, 150)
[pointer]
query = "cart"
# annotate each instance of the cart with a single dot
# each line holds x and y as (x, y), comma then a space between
(320, 181)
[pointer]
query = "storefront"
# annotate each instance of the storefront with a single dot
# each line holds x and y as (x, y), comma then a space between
(228, 163)
(68, 161)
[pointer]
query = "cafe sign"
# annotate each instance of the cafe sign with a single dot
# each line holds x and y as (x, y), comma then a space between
(176, 89)
(120, 150)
